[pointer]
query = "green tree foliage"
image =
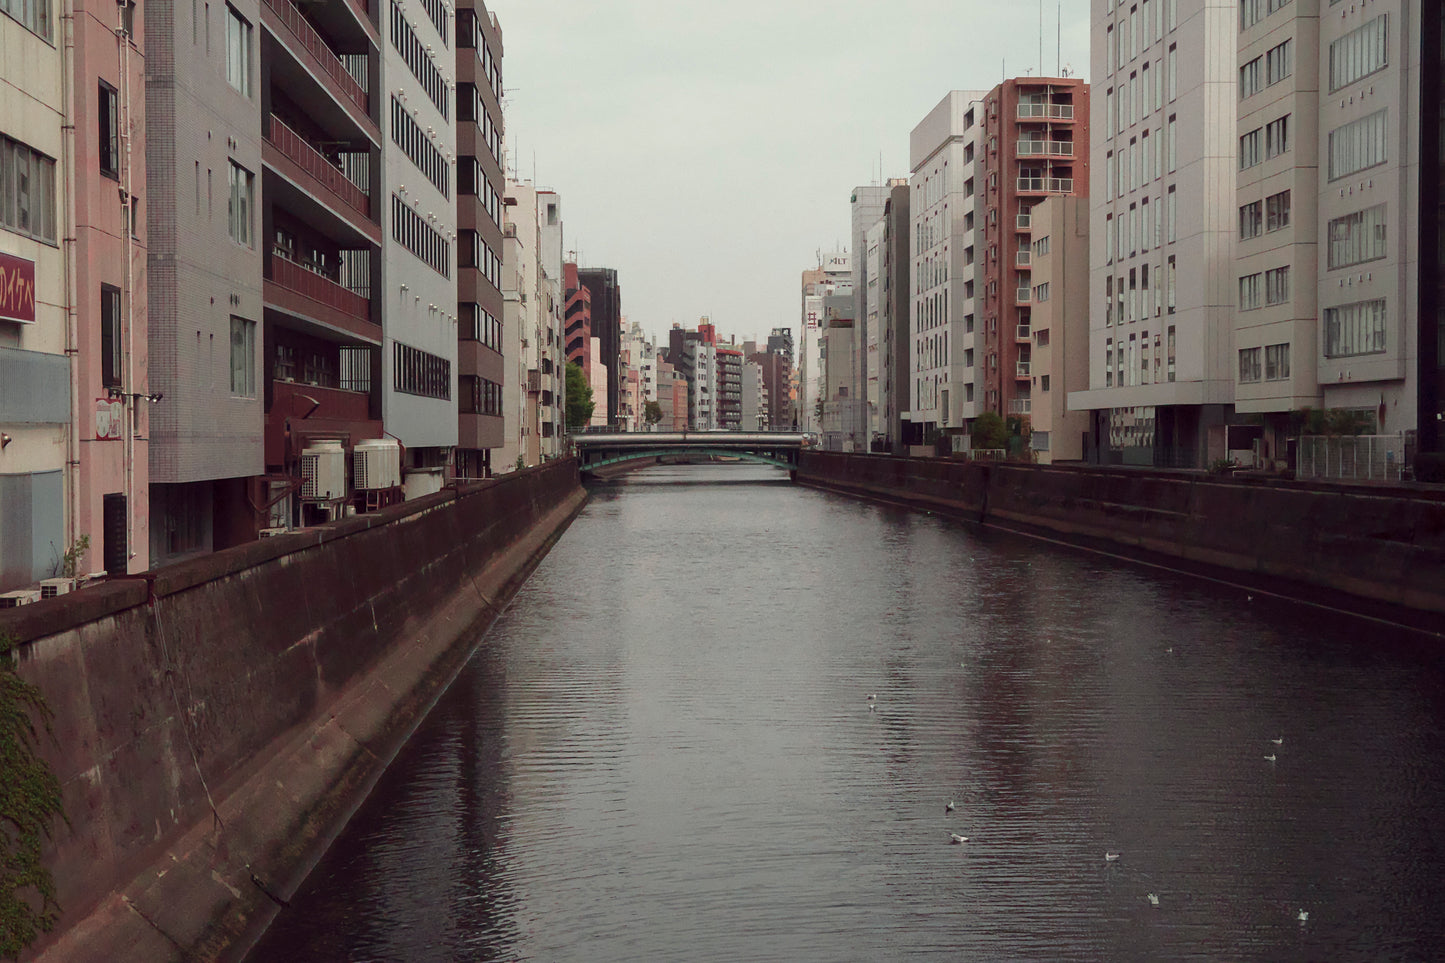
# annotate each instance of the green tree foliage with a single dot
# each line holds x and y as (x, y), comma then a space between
(1329, 421)
(29, 803)
(652, 413)
(579, 397)
(989, 431)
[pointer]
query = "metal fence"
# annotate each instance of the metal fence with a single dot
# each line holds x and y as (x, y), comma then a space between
(1370, 457)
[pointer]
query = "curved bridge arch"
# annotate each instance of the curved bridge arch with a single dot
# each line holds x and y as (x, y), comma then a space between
(747, 456)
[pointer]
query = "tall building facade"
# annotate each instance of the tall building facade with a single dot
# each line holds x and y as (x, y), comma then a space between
(606, 328)
(481, 185)
(729, 388)
(1163, 230)
(577, 320)
(894, 299)
(1058, 335)
(1036, 139)
(865, 206)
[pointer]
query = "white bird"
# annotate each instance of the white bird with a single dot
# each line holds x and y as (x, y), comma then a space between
(872, 696)
(1303, 917)
(872, 707)
(1110, 857)
(1279, 741)
(948, 808)
(1269, 758)
(1249, 598)
(1153, 899)
(956, 838)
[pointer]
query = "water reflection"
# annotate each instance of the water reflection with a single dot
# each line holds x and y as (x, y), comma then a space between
(665, 751)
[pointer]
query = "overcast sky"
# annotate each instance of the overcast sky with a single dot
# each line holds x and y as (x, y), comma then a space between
(707, 150)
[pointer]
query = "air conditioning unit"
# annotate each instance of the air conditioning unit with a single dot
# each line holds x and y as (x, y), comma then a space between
(19, 597)
(272, 532)
(323, 472)
(376, 464)
(51, 587)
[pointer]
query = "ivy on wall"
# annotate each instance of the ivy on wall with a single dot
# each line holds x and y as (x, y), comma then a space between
(29, 803)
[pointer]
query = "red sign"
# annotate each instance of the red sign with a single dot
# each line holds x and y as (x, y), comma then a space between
(17, 289)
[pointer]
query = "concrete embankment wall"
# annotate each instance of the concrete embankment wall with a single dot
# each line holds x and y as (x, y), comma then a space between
(218, 721)
(1381, 546)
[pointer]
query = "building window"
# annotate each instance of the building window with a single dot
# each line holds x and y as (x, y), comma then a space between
(1355, 329)
(243, 358)
(1171, 352)
(1041, 292)
(110, 337)
(1276, 211)
(1251, 219)
(1249, 78)
(418, 59)
(33, 15)
(1249, 149)
(1276, 285)
(1276, 362)
(1172, 69)
(1249, 292)
(240, 204)
(1278, 63)
(1357, 145)
(1173, 145)
(1276, 137)
(238, 51)
(27, 191)
(108, 115)
(1173, 213)
(1359, 53)
(1357, 238)
(1249, 365)
(479, 396)
(1251, 12)
(417, 372)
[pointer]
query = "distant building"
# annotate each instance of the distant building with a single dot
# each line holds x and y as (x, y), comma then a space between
(607, 329)
(702, 384)
(578, 320)
(895, 298)
(729, 388)
(1059, 328)
(754, 398)
(866, 207)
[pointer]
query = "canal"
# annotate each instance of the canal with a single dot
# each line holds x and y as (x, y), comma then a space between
(726, 716)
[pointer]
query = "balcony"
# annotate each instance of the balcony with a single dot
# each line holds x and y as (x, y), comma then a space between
(298, 31)
(317, 168)
(1022, 295)
(1021, 369)
(1020, 406)
(1022, 332)
(1046, 112)
(295, 289)
(1046, 185)
(1024, 259)
(1045, 148)
(534, 381)
(1023, 222)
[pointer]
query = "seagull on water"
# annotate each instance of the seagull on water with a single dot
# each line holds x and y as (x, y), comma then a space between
(872, 696)
(1110, 857)
(956, 838)
(948, 808)
(1279, 741)
(1303, 917)
(1153, 899)
(1269, 758)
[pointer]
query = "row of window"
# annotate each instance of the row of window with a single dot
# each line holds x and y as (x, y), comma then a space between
(470, 108)
(1252, 12)
(1275, 367)
(1359, 53)
(1134, 32)
(479, 396)
(472, 180)
(1262, 217)
(473, 252)
(33, 15)
(1138, 301)
(1143, 159)
(27, 191)
(440, 17)
(1358, 145)
(1357, 238)
(1274, 65)
(1355, 329)
(417, 372)
(1265, 142)
(407, 134)
(1138, 231)
(477, 324)
(1137, 368)
(420, 238)
(1137, 97)
(1274, 283)
(470, 36)
(413, 51)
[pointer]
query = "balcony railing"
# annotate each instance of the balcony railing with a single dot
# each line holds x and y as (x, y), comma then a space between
(1046, 148)
(1046, 185)
(313, 162)
(324, 56)
(1021, 369)
(1024, 259)
(1020, 406)
(317, 287)
(1024, 222)
(1022, 296)
(1022, 332)
(1049, 111)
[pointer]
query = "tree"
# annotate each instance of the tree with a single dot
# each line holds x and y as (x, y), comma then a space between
(579, 397)
(989, 431)
(652, 413)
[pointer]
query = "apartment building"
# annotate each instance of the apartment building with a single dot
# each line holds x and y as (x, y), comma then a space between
(702, 384)
(481, 184)
(39, 517)
(1058, 334)
(833, 277)
(606, 293)
(865, 207)
(577, 320)
(946, 209)
(1163, 230)
(894, 300)
(547, 368)
(729, 388)
(532, 309)
(1036, 136)
(872, 308)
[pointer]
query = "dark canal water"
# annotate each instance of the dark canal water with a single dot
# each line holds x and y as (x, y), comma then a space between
(665, 751)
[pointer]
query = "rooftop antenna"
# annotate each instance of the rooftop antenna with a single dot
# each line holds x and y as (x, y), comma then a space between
(1059, 35)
